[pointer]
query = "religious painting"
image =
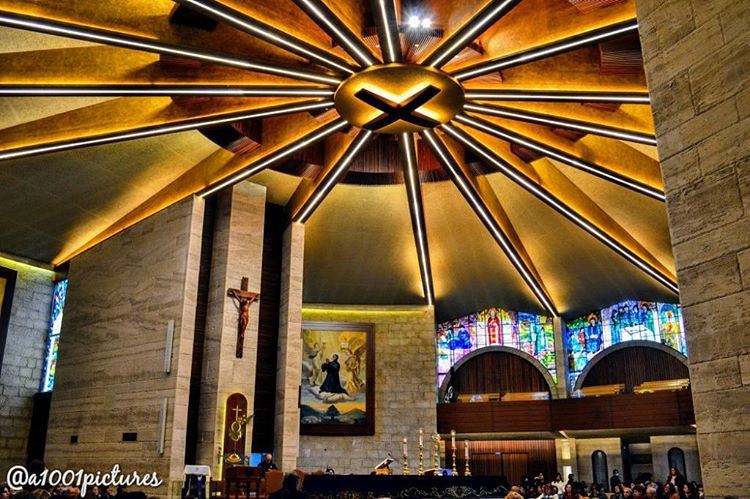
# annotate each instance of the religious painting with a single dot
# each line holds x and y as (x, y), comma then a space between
(7, 285)
(338, 379)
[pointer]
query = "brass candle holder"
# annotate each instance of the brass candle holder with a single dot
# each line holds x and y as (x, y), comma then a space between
(467, 470)
(406, 458)
(454, 471)
(420, 468)
(436, 451)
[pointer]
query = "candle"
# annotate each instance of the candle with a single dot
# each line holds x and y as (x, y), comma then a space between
(421, 437)
(453, 439)
(404, 441)
(466, 449)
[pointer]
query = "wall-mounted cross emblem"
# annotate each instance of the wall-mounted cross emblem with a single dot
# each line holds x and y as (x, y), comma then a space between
(405, 110)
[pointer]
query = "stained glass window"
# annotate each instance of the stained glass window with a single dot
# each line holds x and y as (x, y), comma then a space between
(53, 338)
(529, 333)
(626, 321)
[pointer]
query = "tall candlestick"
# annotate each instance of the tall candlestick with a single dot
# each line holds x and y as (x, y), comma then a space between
(454, 471)
(420, 468)
(406, 458)
(467, 470)
(436, 451)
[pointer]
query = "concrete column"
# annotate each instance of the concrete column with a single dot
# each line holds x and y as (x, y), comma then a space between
(237, 253)
(561, 359)
(289, 364)
(697, 61)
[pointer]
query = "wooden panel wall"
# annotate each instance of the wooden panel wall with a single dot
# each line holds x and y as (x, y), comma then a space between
(634, 365)
(509, 458)
(268, 331)
(617, 411)
(498, 372)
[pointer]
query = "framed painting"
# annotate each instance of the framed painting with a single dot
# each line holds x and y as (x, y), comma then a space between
(337, 389)
(7, 285)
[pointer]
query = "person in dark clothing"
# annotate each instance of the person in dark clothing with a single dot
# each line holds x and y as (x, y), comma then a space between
(290, 489)
(675, 478)
(267, 463)
(614, 480)
(332, 382)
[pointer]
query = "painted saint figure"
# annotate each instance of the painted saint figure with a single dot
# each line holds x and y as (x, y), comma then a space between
(332, 382)
(493, 328)
(316, 376)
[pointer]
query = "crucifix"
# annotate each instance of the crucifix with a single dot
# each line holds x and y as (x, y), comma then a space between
(243, 299)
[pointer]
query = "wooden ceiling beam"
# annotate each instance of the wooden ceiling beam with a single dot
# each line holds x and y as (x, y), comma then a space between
(616, 176)
(416, 212)
(548, 49)
(487, 211)
(562, 195)
(129, 119)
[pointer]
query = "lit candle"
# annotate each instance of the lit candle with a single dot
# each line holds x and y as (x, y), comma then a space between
(421, 437)
(466, 449)
(453, 439)
(404, 441)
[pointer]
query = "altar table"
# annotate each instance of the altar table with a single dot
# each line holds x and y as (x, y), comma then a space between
(401, 486)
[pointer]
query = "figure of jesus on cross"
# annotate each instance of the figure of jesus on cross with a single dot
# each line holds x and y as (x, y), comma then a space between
(243, 299)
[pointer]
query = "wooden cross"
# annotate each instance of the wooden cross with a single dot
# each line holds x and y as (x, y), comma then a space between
(243, 299)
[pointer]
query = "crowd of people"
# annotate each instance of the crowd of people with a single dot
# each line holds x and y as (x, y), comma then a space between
(675, 486)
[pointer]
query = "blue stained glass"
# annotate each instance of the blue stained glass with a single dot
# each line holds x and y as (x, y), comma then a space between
(53, 338)
(529, 333)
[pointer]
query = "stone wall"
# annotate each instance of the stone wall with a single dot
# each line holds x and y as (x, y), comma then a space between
(660, 446)
(587, 446)
(23, 360)
(404, 389)
(110, 376)
(698, 68)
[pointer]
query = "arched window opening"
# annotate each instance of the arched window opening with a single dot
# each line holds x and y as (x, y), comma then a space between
(676, 459)
(599, 467)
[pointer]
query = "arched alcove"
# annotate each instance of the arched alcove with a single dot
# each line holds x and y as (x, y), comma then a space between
(498, 369)
(632, 363)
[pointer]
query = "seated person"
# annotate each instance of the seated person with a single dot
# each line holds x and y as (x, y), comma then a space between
(290, 490)
(267, 463)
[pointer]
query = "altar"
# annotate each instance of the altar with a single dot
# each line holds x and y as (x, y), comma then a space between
(402, 486)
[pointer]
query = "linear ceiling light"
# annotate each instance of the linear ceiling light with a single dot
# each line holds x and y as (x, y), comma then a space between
(474, 198)
(562, 156)
(283, 152)
(559, 96)
(331, 24)
(556, 121)
(164, 90)
(416, 209)
(133, 42)
(469, 31)
(548, 49)
(389, 31)
(557, 204)
(268, 33)
(332, 176)
(151, 131)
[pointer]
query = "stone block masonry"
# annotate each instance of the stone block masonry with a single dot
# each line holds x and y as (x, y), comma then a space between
(698, 68)
(110, 375)
(23, 360)
(405, 392)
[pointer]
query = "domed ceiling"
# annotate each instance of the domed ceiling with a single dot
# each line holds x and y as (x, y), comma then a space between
(456, 152)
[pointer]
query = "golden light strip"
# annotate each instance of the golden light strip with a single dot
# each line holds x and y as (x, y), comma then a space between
(163, 90)
(152, 131)
(417, 213)
(319, 133)
(468, 32)
(562, 156)
(565, 210)
(558, 96)
(322, 14)
(267, 33)
(386, 27)
(138, 43)
(469, 192)
(333, 176)
(556, 121)
(548, 50)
